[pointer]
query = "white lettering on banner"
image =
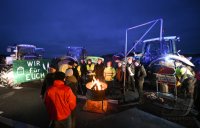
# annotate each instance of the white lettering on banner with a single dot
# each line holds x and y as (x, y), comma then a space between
(34, 76)
(42, 75)
(33, 63)
(38, 63)
(28, 76)
(34, 73)
(34, 70)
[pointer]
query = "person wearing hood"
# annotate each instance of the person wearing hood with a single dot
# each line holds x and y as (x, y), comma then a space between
(60, 101)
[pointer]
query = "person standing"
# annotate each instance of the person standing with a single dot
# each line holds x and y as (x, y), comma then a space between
(99, 69)
(119, 76)
(75, 70)
(90, 70)
(140, 74)
(71, 81)
(82, 70)
(48, 80)
(130, 69)
(109, 74)
(186, 77)
(60, 101)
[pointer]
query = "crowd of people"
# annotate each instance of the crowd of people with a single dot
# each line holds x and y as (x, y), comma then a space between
(60, 89)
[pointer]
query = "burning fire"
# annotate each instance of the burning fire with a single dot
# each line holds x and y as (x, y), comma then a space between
(96, 85)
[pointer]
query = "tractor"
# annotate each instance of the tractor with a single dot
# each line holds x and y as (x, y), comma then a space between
(160, 59)
(18, 52)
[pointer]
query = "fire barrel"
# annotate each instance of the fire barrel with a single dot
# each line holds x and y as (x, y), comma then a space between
(96, 91)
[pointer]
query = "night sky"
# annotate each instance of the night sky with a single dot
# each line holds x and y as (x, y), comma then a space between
(97, 25)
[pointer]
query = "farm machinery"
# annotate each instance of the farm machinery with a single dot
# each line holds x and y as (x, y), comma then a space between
(162, 62)
(19, 52)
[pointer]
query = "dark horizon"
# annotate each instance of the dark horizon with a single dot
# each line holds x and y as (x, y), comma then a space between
(99, 26)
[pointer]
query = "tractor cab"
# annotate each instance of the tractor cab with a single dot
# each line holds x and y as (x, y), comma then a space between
(155, 48)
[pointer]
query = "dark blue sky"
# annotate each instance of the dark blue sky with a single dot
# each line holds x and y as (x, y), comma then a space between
(97, 25)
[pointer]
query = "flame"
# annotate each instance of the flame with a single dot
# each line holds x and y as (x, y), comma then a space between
(97, 83)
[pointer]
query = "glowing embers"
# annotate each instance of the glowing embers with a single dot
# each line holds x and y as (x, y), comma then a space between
(96, 106)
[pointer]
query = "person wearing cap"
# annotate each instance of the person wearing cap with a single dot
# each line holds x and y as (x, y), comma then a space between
(71, 81)
(48, 80)
(90, 70)
(60, 101)
(140, 74)
(130, 70)
(109, 75)
(99, 69)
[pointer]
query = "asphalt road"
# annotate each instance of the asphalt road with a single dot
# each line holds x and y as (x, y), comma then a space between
(24, 108)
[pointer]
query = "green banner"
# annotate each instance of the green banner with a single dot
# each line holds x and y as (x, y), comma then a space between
(30, 70)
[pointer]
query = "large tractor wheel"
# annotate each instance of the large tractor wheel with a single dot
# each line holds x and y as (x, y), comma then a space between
(7, 76)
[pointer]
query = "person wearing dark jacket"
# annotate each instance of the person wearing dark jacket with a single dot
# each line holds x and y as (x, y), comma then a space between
(60, 101)
(71, 81)
(48, 81)
(75, 70)
(140, 74)
(99, 70)
(130, 69)
(120, 76)
(82, 71)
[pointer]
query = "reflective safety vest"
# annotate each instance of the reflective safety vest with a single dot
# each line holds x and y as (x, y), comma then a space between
(90, 68)
(109, 73)
(183, 73)
(79, 70)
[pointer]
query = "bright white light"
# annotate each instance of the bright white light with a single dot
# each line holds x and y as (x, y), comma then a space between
(167, 59)
(1, 112)
(17, 87)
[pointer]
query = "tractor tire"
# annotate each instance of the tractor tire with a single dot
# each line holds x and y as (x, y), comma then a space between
(7, 77)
